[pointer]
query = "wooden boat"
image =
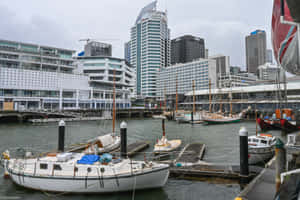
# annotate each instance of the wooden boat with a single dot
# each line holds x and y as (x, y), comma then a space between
(214, 118)
(260, 148)
(288, 126)
(266, 125)
(164, 145)
(80, 173)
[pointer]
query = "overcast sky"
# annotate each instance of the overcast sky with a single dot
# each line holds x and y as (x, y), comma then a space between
(61, 23)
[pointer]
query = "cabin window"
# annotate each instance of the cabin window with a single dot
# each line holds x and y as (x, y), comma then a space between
(263, 141)
(43, 166)
(56, 167)
(249, 140)
(255, 140)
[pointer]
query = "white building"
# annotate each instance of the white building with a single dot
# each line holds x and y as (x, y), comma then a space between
(42, 77)
(236, 80)
(269, 71)
(201, 71)
(100, 71)
(150, 49)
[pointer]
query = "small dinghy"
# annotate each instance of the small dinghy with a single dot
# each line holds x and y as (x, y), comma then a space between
(103, 144)
(260, 148)
(164, 145)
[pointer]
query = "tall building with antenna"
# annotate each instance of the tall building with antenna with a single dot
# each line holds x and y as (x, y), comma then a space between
(150, 49)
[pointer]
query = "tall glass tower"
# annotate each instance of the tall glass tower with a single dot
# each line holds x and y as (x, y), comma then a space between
(150, 49)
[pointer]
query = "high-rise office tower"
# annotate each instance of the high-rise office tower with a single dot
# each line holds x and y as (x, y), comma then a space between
(150, 49)
(255, 50)
(186, 49)
(127, 51)
(269, 56)
(97, 49)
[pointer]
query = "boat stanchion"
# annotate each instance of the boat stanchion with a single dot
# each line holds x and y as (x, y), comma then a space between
(61, 135)
(280, 154)
(244, 167)
(123, 133)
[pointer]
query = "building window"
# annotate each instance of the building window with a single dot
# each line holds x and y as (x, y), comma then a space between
(43, 166)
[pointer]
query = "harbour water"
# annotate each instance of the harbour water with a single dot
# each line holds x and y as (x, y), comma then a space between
(222, 146)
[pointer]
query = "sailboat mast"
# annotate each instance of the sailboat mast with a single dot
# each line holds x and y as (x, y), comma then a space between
(165, 99)
(176, 94)
(256, 119)
(194, 106)
(209, 84)
(230, 99)
(114, 102)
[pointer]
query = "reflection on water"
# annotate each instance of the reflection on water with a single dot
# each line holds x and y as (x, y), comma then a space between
(222, 146)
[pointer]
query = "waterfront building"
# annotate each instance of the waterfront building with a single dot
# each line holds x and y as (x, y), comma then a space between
(263, 97)
(186, 49)
(35, 77)
(94, 48)
(40, 77)
(150, 49)
(270, 72)
(234, 70)
(201, 71)
(255, 50)
(100, 71)
(269, 56)
(127, 51)
(236, 80)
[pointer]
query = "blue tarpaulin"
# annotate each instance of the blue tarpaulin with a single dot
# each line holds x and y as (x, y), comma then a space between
(88, 159)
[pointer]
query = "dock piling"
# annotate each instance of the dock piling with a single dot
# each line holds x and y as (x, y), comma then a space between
(192, 117)
(61, 135)
(123, 133)
(280, 154)
(244, 167)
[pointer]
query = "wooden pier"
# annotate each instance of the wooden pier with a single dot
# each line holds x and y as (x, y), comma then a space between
(191, 153)
(261, 187)
(134, 148)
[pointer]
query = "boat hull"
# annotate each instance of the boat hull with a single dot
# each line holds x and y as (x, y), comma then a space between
(212, 121)
(265, 126)
(144, 180)
(288, 127)
(260, 155)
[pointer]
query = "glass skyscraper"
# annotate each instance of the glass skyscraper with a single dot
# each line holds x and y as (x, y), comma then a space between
(150, 49)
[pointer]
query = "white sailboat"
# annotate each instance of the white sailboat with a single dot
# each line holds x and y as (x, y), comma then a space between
(80, 173)
(164, 145)
(110, 141)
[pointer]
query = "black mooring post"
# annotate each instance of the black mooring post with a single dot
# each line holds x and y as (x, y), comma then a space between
(61, 135)
(123, 133)
(244, 167)
(192, 117)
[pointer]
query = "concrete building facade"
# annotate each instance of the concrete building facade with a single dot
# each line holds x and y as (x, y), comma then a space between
(94, 48)
(201, 71)
(256, 49)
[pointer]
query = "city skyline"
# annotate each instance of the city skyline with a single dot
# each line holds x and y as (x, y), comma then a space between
(63, 25)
